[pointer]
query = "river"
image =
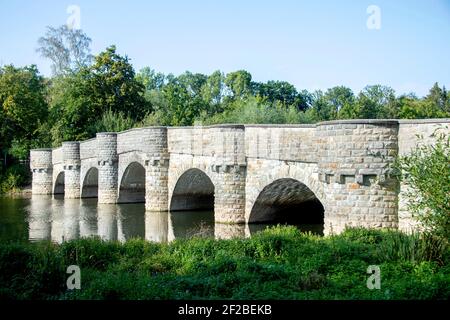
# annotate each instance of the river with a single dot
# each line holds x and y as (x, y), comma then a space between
(58, 220)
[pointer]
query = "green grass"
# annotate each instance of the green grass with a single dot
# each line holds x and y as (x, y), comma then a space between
(279, 263)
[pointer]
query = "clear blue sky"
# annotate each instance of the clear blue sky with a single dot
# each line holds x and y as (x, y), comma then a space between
(312, 44)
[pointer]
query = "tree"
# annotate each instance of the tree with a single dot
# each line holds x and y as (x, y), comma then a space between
(339, 98)
(80, 99)
(304, 100)
(182, 107)
(252, 110)
(193, 82)
(67, 48)
(111, 85)
(413, 108)
(70, 108)
(23, 108)
(274, 91)
(151, 79)
(239, 83)
(375, 102)
(439, 98)
(213, 91)
(322, 109)
(112, 122)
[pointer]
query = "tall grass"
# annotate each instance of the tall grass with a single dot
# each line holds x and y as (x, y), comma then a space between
(278, 263)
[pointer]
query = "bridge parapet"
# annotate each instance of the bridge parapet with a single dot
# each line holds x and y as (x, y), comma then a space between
(151, 141)
(57, 156)
(225, 143)
(88, 149)
(423, 131)
(281, 142)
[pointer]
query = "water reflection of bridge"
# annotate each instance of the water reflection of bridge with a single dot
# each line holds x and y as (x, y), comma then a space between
(61, 220)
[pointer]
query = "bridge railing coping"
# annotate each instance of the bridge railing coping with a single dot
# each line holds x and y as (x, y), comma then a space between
(214, 126)
(143, 128)
(385, 121)
(42, 149)
(280, 125)
(420, 121)
(88, 140)
(359, 121)
(243, 126)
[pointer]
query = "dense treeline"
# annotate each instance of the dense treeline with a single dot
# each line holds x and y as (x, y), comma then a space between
(88, 94)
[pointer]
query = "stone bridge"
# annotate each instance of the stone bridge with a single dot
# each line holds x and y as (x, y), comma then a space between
(336, 172)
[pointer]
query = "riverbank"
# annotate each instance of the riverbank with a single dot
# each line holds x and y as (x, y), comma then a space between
(18, 193)
(279, 263)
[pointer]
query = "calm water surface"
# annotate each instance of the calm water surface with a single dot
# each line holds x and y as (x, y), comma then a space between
(48, 218)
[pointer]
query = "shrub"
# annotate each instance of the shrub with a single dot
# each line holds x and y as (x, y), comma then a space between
(426, 171)
(416, 247)
(14, 177)
(112, 122)
(363, 235)
(252, 111)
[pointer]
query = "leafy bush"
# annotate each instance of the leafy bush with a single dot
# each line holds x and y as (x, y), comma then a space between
(426, 172)
(13, 178)
(363, 235)
(252, 111)
(112, 122)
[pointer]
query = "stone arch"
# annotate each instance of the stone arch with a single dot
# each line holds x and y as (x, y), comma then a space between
(279, 184)
(283, 195)
(125, 159)
(132, 184)
(58, 185)
(89, 188)
(194, 190)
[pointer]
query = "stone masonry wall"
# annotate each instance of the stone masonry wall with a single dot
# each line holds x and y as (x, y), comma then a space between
(42, 170)
(354, 160)
(346, 164)
(88, 149)
(107, 167)
(219, 151)
(57, 156)
(72, 166)
(281, 142)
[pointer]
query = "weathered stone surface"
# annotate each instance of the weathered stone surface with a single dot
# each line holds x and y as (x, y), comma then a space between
(107, 161)
(42, 169)
(72, 166)
(343, 164)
